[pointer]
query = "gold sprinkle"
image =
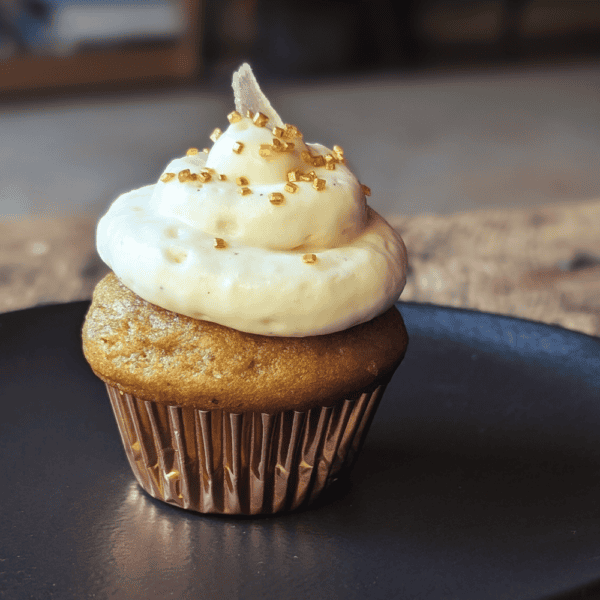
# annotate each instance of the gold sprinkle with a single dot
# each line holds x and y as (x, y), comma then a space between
(289, 147)
(245, 191)
(241, 180)
(306, 157)
(293, 175)
(249, 114)
(278, 132)
(265, 150)
(167, 177)
(204, 176)
(338, 152)
(366, 189)
(330, 161)
(290, 187)
(310, 258)
(330, 166)
(183, 175)
(216, 134)
(318, 161)
(276, 198)
(291, 131)
(308, 176)
(220, 243)
(205, 150)
(222, 177)
(193, 177)
(260, 120)
(319, 184)
(277, 145)
(192, 151)
(238, 147)
(234, 117)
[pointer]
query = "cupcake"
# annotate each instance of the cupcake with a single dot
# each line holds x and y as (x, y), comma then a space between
(247, 330)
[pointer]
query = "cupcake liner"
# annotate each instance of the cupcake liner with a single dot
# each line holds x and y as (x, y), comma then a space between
(213, 461)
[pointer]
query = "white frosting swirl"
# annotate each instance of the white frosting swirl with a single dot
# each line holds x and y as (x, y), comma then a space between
(160, 242)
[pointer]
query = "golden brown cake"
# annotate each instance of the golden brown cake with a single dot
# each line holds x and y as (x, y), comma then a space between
(155, 354)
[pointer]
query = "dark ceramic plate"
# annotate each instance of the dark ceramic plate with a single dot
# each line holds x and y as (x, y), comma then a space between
(480, 479)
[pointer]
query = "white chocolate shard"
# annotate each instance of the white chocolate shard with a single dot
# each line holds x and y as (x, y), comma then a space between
(248, 96)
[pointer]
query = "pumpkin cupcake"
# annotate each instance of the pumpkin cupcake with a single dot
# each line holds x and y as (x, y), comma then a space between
(247, 330)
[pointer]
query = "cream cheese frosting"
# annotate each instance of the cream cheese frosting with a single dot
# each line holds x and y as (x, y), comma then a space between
(264, 233)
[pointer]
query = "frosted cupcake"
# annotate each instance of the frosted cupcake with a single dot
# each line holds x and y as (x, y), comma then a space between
(248, 329)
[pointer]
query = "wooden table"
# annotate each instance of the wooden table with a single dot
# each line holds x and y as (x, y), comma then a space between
(541, 264)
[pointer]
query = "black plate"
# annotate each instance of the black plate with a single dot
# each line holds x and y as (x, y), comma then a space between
(480, 479)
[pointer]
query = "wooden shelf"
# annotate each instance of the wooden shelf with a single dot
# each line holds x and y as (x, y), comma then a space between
(131, 63)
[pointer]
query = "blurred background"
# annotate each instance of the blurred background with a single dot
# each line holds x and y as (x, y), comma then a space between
(441, 105)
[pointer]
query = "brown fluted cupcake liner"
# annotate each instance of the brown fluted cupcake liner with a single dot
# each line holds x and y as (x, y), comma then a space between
(213, 461)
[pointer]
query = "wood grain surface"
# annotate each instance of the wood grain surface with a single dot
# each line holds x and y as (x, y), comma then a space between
(541, 264)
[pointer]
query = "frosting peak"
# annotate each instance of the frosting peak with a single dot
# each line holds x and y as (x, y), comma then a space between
(258, 157)
(265, 191)
(266, 233)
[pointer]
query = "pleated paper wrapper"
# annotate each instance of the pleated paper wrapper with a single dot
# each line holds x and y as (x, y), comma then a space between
(213, 461)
